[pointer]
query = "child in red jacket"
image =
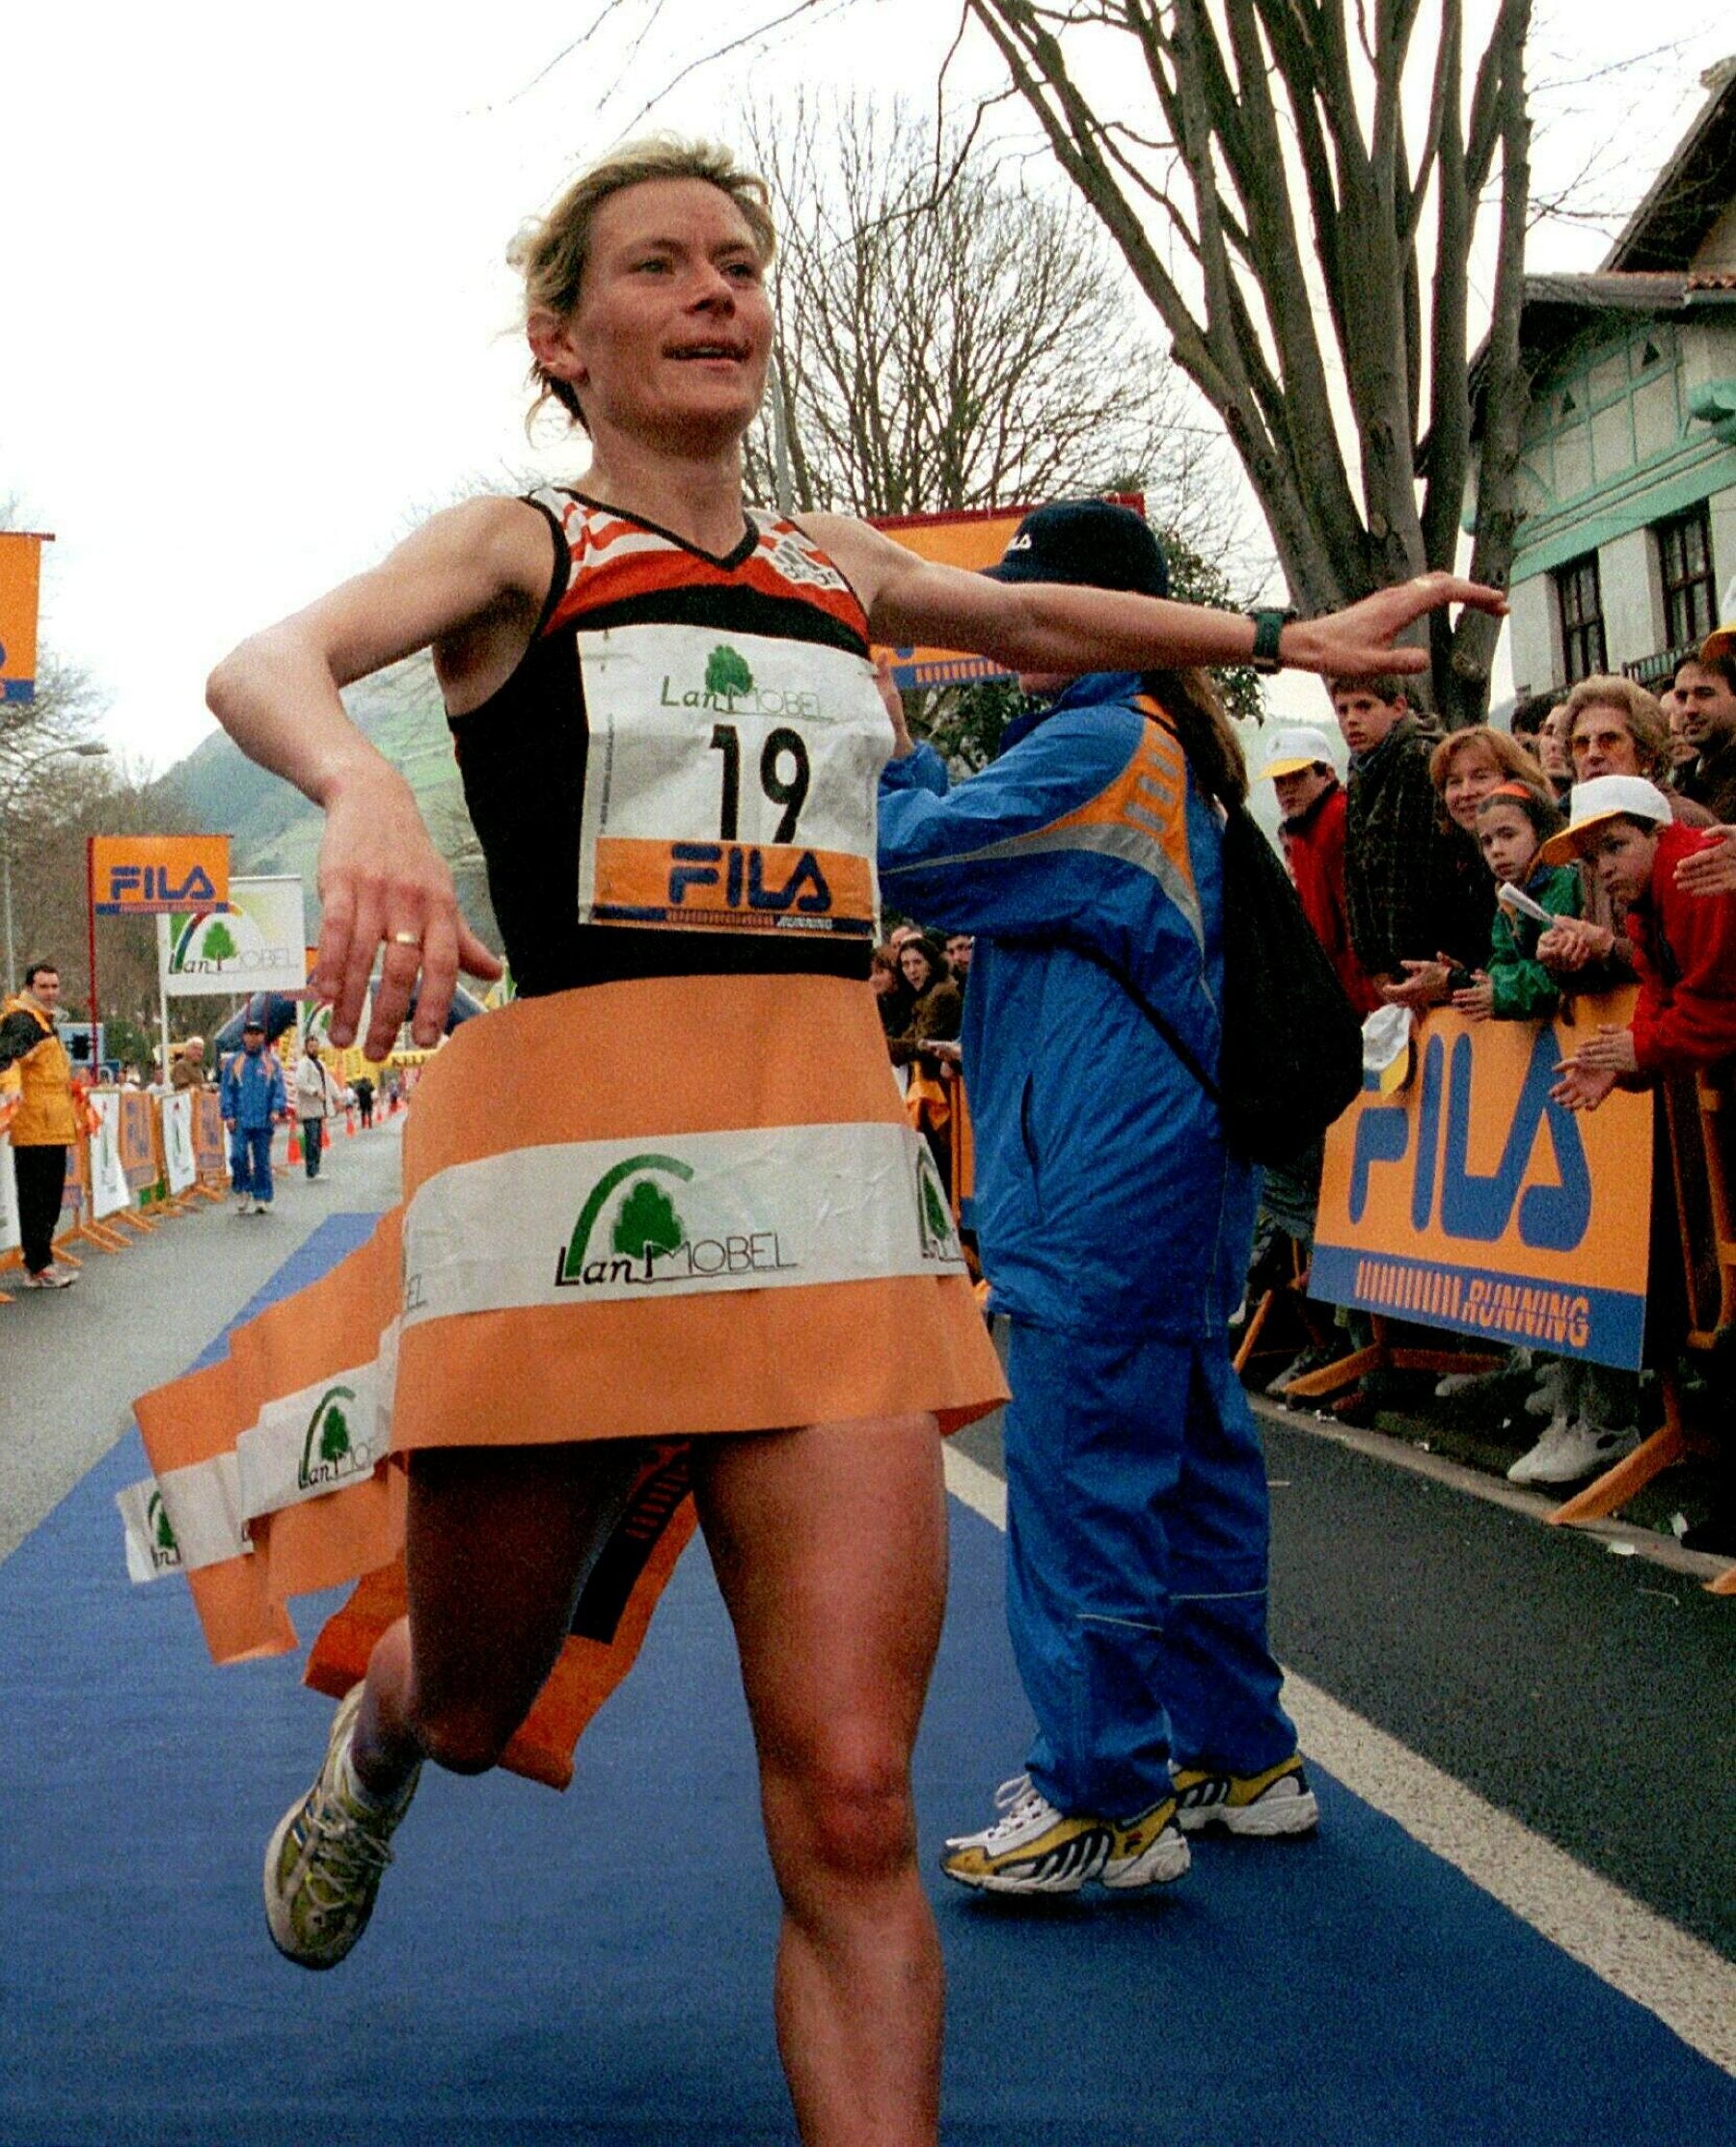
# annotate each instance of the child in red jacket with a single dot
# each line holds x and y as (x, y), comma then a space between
(1685, 944)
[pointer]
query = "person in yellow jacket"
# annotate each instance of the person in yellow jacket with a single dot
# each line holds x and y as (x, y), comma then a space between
(45, 1123)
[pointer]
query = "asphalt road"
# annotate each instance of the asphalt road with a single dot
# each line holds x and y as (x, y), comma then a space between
(1588, 1695)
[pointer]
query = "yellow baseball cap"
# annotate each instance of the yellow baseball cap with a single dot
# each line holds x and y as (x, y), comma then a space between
(1294, 751)
(1604, 798)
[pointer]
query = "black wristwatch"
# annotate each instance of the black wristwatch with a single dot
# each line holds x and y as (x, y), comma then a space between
(1268, 625)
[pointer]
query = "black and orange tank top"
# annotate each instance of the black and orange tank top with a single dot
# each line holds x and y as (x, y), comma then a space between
(680, 776)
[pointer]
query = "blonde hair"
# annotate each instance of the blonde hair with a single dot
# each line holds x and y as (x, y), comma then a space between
(552, 253)
(1642, 713)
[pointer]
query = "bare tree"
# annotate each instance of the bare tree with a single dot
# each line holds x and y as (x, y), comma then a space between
(950, 338)
(1268, 137)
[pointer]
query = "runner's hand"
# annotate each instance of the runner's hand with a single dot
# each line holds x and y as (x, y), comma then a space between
(382, 883)
(1363, 639)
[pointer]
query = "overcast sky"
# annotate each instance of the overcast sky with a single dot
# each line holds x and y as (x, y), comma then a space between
(256, 315)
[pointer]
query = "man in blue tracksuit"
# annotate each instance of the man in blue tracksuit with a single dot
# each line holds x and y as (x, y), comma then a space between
(253, 1100)
(1114, 1226)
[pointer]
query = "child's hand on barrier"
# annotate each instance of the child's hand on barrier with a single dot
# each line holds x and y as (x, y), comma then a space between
(1582, 1087)
(1425, 984)
(1611, 1048)
(1571, 943)
(1476, 1001)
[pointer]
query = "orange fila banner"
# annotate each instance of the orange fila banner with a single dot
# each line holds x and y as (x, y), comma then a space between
(972, 538)
(20, 584)
(208, 1156)
(1470, 1201)
(138, 1149)
(137, 875)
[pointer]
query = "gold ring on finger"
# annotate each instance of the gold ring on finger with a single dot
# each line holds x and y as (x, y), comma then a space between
(406, 939)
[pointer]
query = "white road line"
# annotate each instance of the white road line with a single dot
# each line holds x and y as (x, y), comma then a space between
(1689, 1987)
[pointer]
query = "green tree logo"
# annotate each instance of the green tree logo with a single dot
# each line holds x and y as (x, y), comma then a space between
(328, 1452)
(220, 943)
(728, 674)
(648, 1222)
(156, 1519)
(334, 1435)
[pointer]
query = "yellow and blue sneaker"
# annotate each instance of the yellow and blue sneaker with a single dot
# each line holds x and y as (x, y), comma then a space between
(1032, 1848)
(1277, 1801)
(331, 1848)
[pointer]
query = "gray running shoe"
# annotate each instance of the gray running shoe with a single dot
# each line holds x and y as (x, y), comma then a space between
(325, 1862)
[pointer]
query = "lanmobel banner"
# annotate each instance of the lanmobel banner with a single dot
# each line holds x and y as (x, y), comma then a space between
(972, 538)
(137, 875)
(20, 580)
(257, 943)
(1470, 1201)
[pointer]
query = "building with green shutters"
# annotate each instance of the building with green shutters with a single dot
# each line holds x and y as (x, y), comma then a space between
(1627, 481)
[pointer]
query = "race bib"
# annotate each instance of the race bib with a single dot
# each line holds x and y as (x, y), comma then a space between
(730, 782)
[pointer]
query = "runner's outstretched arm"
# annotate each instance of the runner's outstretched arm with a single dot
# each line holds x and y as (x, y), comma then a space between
(1034, 626)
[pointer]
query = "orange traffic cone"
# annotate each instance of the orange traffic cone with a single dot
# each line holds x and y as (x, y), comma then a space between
(295, 1155)
(349, 1121)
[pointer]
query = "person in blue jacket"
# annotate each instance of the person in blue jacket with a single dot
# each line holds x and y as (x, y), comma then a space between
(253, 1100)
(1114, 1226)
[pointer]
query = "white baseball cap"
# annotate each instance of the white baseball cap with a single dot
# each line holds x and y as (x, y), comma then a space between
(1604, 798)
(1294, 751)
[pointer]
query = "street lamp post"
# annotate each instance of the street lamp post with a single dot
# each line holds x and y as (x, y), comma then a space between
(88, 750)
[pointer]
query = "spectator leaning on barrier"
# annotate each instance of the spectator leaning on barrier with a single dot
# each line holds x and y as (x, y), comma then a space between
(253, 1100)
(1463, 769)
(318, 1098)
(1613, 727)
(1513, 821)
(960, 947)
(1314, 810)
(1592, 1410)
(46, 1123)
(1404, 873)
(1685, 944)
(1114, 1226)
(1312, 829)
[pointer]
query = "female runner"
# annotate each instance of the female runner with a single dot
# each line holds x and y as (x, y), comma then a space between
(670, 733)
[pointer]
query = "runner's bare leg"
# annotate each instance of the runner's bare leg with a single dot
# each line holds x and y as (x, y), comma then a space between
(829, 1544)
(498, 1540)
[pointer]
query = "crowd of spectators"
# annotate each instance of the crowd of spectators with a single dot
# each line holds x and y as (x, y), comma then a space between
(1610, 816)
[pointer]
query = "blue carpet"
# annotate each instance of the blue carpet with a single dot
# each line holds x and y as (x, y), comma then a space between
(595, 1967)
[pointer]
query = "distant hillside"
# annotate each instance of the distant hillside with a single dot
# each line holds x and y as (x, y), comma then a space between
(272, 829)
